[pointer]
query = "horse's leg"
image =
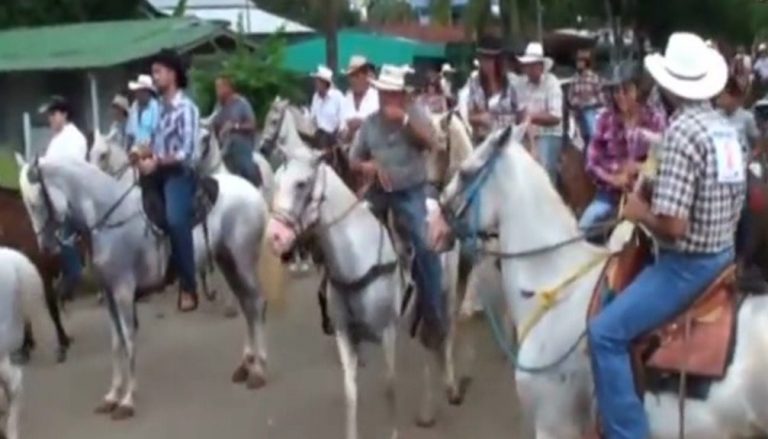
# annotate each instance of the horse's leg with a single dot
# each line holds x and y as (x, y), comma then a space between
(11, 377)
(22, 356)
(125, 299)
(52, 302)
(245, 286)
(110, 401)
(426, 417)
(348, 356)
(389, 343)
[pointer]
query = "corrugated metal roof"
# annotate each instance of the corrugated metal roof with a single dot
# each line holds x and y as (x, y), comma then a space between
(99, 44)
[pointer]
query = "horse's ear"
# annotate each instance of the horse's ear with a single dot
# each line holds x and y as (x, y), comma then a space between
(20, 160)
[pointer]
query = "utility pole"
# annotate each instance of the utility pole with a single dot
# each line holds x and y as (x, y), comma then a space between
(331, 33)
(540, 21)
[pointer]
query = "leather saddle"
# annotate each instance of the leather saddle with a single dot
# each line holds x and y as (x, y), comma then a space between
(153, 201)
(699, 342)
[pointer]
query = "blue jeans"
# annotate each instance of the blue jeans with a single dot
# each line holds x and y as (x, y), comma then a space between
(548, 151)
(589, 122)
(602, 208)
(410, 211)
(659, 294)
(71, 264)
(178, 188)
(239, 160)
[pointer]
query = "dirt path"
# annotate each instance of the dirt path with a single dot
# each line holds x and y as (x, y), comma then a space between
(184, 365)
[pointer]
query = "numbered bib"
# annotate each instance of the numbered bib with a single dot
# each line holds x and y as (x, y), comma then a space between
(729, 156)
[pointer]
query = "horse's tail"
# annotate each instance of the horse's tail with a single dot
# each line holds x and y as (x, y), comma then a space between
(32, 291)
(272, 275)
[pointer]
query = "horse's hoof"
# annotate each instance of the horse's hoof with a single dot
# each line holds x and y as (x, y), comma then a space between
(105, 408)
(425, 422)
(123, 412)
(255, 382)
(61, 355)
(240, 375)
(456, 397)
(20, 357)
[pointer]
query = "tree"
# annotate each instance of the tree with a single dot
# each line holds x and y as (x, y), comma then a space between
(390, 11)
(477, 16)
(312, 13)
(332, 34)
(441, 11)
(510, 21)
(16, 13)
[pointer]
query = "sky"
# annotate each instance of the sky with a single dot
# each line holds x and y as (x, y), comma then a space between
(425, 3)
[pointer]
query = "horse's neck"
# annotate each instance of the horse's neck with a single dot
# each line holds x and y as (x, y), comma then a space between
(352, 240)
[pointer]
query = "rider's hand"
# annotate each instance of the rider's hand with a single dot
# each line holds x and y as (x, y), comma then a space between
(147, 165)
(635, 208)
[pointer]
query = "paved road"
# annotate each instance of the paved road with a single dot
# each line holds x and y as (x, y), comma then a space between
(184, 391)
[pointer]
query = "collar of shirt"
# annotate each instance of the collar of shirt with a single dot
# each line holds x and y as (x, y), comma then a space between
(369, 104)
(690, 107)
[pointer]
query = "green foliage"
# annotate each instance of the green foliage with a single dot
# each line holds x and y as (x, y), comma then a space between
(16, 13)
(257, 75)
(441, 11)
(9, 170)
(391, 11)
(312, 13)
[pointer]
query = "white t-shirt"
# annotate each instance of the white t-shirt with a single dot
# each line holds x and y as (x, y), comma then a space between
(368, 105)
(546, 97)
(327, 112)
(68, 143)
(761, 67)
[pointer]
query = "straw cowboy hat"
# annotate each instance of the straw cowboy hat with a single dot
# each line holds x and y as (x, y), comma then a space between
(122, 103)
(391, 78)
(534, 53)
(356, 63)
(143, 82)
(323, 73)
(689, 69)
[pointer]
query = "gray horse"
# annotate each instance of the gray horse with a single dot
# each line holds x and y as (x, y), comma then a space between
(128, 256)
(21, 295)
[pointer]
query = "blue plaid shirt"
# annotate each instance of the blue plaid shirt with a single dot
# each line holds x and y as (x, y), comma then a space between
(178, 129)
(142, 122)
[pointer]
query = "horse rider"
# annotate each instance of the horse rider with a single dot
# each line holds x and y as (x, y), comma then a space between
(118, 130)
(693, 210)
(730, 103)
(390, 151)
(168, 166)
(144, 114)
(493, 102)
(67, 143)
(234, 124)
(327, 108)
(361, 100)
(541, 97)
(585, 95)
(619, 146)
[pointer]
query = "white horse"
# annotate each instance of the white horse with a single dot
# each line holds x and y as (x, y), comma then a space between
(129, 257)
(365, 286)
(21, 295)
(558, 399)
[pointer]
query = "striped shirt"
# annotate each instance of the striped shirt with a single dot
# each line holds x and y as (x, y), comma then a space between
(178, 129)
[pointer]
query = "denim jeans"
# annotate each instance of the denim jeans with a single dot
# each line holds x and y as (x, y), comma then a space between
(410, 211)
(602, 208)
(548, 149)
(71, 263)
(589, 122)
(239, 160)
(659, 293)
(178, 186)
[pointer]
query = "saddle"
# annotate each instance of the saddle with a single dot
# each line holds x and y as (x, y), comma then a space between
(697, 343)
(153, 201)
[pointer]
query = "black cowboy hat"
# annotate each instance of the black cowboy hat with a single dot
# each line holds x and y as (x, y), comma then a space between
(171, 59)
(489, 45)
(57, 104)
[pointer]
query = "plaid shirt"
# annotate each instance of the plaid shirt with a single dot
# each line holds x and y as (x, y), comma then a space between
(614, 143)
(586, 91)
(687, 185)
(503, 107)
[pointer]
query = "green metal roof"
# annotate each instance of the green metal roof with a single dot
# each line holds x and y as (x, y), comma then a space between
(379, 49)
(100, 44)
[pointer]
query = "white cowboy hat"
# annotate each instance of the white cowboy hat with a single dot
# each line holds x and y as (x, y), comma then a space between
(357, 62)
(323, 73)
(447, 68)
(534, 53)
(689, 69)
(143, 82)
(122, 103)
(391, 78)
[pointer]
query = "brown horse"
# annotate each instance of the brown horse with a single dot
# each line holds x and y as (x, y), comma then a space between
(16, 232)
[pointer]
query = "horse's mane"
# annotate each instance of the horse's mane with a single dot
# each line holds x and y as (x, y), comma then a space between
(83, 171)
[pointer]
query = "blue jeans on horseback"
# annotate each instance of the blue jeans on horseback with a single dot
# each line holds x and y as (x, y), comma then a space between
(238, 157)
(71, 263)
(410, 212)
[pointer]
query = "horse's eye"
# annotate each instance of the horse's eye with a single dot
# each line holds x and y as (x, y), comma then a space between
(301, 185)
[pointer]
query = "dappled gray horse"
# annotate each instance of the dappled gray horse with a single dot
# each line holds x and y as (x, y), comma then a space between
(129, 256)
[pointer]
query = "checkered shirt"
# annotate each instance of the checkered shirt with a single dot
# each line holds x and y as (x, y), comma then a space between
(586, 91)
(687, 185)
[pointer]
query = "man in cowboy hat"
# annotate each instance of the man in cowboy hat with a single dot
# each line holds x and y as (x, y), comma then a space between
(361, 99)
(67, 143)
(234, 124)
(327, 108)
(144, 114)
(118, 129)
(541, 97)
(697, 196)
(390, 151)
(169, 165)
(446, 80)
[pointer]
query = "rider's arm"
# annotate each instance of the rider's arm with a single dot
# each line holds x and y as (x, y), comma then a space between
(247, 119)
(190, 121)
(554, 111)
(420, 127)
(674, 191)
(359, 153)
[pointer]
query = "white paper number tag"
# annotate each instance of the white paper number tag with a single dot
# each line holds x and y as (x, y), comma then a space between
(729, 156)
